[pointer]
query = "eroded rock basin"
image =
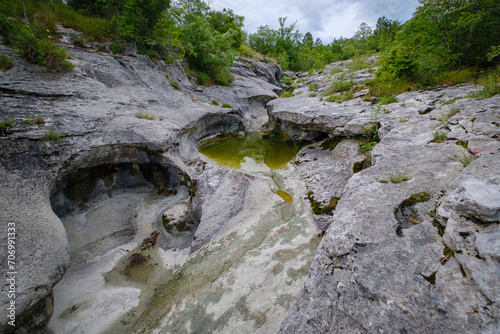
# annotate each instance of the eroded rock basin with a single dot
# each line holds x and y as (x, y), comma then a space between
(234, 257)
(249, 152)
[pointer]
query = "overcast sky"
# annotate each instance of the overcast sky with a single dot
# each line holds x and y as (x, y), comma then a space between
(325, 19)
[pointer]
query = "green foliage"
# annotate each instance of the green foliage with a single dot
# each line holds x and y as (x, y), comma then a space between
(145, 116)
(313, 95)
(333, 98)
(175, 84)
(53, 136)
(358, 166)
(340, 86)
(5, 63)
(226, 21)
(491, 83)
(286, 94)
(33, 42)
(397, 178)
(369, 135)
(313, 86)
(388, 88)
(440, 136)
(7, 122)
(226, 105)
(467, 29)
(38, 120)
(215, 102)
(387, 99)
(465, 158)
(443, 44)
(77, 40)
(287, 83)
(335, 70)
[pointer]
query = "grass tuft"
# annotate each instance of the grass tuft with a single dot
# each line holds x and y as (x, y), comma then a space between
(5, 63)
(440, 136)
(145, 116)
(398, 178)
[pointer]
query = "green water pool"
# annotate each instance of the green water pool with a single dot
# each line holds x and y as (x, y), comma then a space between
(250, 152)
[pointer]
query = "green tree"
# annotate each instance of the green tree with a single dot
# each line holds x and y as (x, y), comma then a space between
(224, 21)
(467, 28)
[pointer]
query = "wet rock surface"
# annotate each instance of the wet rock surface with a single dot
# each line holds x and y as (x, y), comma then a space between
(135, 231)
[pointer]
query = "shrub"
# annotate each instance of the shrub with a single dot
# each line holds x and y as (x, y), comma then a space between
(226, 105)
(116, 48)
(41, 51)
(215, 102)
(382, 88)
(5, 63)
(313, 95)
(287, 83)
(77, 40)
(203, 78)
(286, 94)
(313, 86)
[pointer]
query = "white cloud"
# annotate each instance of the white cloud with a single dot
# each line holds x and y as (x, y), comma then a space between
(326, 19)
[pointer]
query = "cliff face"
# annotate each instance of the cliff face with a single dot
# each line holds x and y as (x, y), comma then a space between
(161, 237)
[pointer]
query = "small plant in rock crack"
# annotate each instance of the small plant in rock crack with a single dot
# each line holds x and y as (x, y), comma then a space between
(287, 84)
(175, 84)
(7, 122)
(145, 116)
(53, 136)
(440, 136)
(38, 120)
(465, 158)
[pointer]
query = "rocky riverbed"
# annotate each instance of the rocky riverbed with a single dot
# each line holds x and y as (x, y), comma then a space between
(124, 226)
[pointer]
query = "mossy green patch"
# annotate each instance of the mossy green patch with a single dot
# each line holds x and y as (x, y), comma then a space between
(358, 166)
(330, 144)
(320, 209)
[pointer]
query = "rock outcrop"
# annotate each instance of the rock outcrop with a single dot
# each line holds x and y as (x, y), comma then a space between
(92, 136)
(410, 246)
